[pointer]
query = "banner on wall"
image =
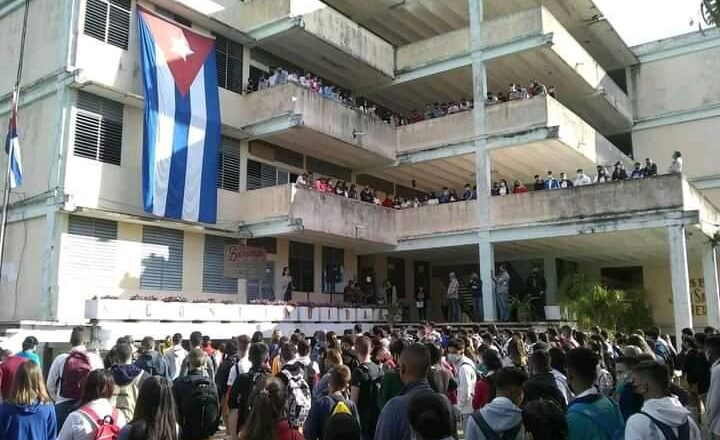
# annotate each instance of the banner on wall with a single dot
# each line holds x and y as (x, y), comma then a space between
(245, 262)
(697, 296)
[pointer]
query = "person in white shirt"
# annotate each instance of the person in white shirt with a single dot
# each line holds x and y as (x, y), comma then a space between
(582, 179)
(274, 78)
(676, 166)
(175, 356)
(661, 413)
(64, 404)
(712, 401)
(466, 376)
(94, 405)
(243, 362)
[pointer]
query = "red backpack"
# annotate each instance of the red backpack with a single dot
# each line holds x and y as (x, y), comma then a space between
(105, 428)
(75, 371)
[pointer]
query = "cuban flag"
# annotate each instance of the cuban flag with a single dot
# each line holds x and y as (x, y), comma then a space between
(181, 130)
(12, 147)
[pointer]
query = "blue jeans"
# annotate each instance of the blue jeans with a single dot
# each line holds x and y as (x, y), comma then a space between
(503, 307)
(454, 310)
(478, 308)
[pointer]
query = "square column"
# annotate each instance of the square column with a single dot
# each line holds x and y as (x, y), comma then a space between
(487, 268)
(682, 311)
(550, 273)
(712, 289)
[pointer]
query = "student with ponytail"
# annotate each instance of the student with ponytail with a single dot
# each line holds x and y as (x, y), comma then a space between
(267, 419)
(154, 417)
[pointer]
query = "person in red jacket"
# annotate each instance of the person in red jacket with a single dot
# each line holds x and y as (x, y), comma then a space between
(484, 388)
(7, 374)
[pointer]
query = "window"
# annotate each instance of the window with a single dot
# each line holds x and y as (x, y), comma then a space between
(262, 175)
(263, 288)
(108, 21)
(214, 280)
(396, 275)
(273, 153)
(302, 266)
(229, 64)
(229, 168)
(98, 129)
(333, 267)
(162, 259)
(328, 169)
(89, 253)
(267, 243)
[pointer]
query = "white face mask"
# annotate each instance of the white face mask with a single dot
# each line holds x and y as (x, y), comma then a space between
(453, 358)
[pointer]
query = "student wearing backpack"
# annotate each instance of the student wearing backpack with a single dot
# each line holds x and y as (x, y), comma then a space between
(239, 395)
(336, 402)
(466, 376)
(312, 370)
(485, 386)
(662, 416)
(429, 417)
(333, 358)
(501, 419)
(197, 400)
(175, 356)
(544, 420)
(128, 380)
(299, 398)
(155, 413)
(365, 388)
(28, 413)
(150, 361)
(266, 419)
(196, 341)
(96, 419)
(68, 372)
(590, 415)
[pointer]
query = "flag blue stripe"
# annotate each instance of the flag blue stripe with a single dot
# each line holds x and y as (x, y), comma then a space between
(178, 163)
(151, 113)
(14, 164)
(208, 189)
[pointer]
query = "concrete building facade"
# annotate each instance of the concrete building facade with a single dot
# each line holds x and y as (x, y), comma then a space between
(77, 230)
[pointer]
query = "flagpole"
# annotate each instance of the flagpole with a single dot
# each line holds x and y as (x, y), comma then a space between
(13, 110)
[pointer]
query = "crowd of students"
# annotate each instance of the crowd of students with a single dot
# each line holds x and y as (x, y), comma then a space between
(424, 383)
(516, 92)
(603, 175)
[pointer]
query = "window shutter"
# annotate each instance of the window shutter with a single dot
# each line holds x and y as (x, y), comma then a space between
(108, 21)
(229, 64)
(229, 169)
(268, 176)
(254, 175)
(213, 266)
(162, 265)
(98, 129)
(90, 252)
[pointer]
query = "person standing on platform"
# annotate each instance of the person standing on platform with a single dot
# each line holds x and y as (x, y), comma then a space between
(286, 284)
(502, 292)
(453, 296)
(476, 291)
(536, 287)
(420, 304)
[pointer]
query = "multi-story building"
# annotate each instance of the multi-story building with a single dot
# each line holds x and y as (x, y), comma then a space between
(77, 230)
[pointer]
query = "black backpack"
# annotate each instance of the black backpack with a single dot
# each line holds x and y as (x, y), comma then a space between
(200, 410)
(667, 431)
(242, 388)
(490, 434)
(369, 403)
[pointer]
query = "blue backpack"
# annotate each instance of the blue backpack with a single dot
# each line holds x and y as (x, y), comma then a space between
(613, 431)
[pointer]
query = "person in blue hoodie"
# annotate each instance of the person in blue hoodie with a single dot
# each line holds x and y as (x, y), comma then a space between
(29, 413)
(502, 416)
(324, 407)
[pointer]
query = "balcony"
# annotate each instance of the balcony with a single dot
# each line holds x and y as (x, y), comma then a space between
(312, 35)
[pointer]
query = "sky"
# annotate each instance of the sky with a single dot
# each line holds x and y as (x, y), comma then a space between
(641, 21)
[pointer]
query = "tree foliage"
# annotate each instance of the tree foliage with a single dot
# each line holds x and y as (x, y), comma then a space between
(711, 11)
(592, 304)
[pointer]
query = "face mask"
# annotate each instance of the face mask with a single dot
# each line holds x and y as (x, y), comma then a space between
(453, 358)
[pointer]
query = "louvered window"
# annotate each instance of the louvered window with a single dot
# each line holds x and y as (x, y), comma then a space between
(229, 168)
(262, 175)
(302, 266)
(333, 266)
(162, 259)
(229, 64)
(108, 21)
(89, 253)
(98, 129)
(214, 266)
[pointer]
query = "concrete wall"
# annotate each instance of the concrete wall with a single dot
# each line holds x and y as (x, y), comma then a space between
(435, 132)
(449, 217)
(627, 196)
(46, 41)
(253, 206)
(333, 215)
(433, 50)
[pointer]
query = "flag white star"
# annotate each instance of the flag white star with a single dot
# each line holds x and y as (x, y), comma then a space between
(181, 47)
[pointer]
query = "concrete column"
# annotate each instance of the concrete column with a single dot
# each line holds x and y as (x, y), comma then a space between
(550, 273)
(244, 152)
(487, 268)
(682, 311)
(712, 290)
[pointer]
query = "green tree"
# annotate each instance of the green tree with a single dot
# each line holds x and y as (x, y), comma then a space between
(592, 304)
(711, 11)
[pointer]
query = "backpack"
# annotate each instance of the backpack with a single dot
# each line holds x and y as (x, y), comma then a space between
(369, 402)
(75, 370)
(152, 365)
(341, 409)
(491, 434)
(125, 396)
(668, 433)
(105, 427)
(241, 390)
(199, 409)
(299, 399)
(600, 420)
